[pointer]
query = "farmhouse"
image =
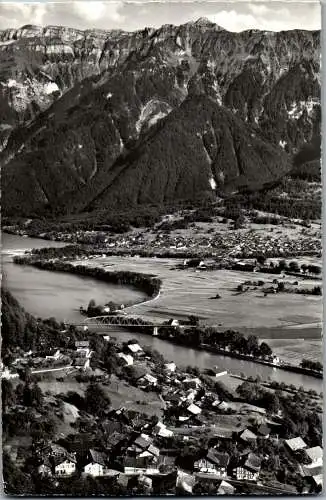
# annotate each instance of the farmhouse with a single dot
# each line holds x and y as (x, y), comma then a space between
(135, 349)
(315, 455)
(247, 436)
(126, 359)
(64, 466)
(248, 468)
(95, 464)
(213, 463)
(295, 444)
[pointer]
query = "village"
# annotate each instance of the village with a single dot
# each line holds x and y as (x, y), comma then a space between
(220, 238)
(188, 432)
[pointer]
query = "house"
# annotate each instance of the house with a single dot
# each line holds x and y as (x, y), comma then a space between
(173, 322)
(45, 469)
(142, 442)
(247, 436)
(161, 430)
(295, 444)
(135, 349)
(139, 465)
(166, 462)
(318, 480)
(56, 450)
(193, 383)
(315, 455)
(95, 464)
(84, 352)
(64, 466)
(213, 463)
(147, 381)
(194, 409)
(6, 373)
(126, 359)
(151, 450)
(248, 468)
(225, 488)
(82, 363)
(170, 367)
(263, 431)
(57, 355)
(185, 482)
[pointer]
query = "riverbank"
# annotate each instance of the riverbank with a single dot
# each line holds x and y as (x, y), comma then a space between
(146, 283)
(152, 287)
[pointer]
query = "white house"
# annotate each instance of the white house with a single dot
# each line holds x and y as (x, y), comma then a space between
(194, 409)
(135, 349)
(170, 367)
(82, 363)
(65, 466)
(8, 374)
(57, 355)
(148, 380)
(95, 465)
(295, 444)
(315, 455)
(126, 358)
(161, 430)
(249, 468)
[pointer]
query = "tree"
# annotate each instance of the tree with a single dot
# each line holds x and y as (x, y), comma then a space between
(252, 344)
(265, 350)
(96, 401)
(7, 393)
(261, 259)
(271, 402)
(193, 320)
(91, 305)
(294, 266)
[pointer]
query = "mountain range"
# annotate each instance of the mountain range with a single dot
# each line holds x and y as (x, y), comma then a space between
(105, 119)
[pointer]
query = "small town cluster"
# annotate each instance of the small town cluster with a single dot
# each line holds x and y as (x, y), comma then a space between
(206, 437)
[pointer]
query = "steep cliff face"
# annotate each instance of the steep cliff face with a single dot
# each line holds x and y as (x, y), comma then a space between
(87, 102)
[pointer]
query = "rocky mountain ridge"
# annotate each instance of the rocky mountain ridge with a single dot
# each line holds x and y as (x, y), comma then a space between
(86, 102)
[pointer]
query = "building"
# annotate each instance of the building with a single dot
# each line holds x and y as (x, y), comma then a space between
(225, 488)
(82, 363)
(318, 480)
(139, 465)
(45, 469)
(295, 444)
(64, 466)
(135, 349)
(263, 431)
(54, 357)
(126, 359)
(170, 367)
(161, 430)
(147, 381)
(248, 468)
(194, 409)
(315, 455)
(213, 463)
(247, 436)
(96, 464)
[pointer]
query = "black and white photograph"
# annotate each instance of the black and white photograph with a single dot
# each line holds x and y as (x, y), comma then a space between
(161, 248)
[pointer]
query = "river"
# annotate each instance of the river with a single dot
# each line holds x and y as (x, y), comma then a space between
(46, 293)
(60, 295)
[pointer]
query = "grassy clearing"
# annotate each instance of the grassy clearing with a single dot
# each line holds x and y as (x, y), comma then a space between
(132, 398)
(187, 292)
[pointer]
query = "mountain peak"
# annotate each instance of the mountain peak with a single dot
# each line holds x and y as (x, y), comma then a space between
(204, 21)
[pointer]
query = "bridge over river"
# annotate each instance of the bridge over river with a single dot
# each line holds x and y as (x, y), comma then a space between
(123, 320)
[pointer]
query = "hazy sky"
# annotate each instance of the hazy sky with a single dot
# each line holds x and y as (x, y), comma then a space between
(234, 16)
